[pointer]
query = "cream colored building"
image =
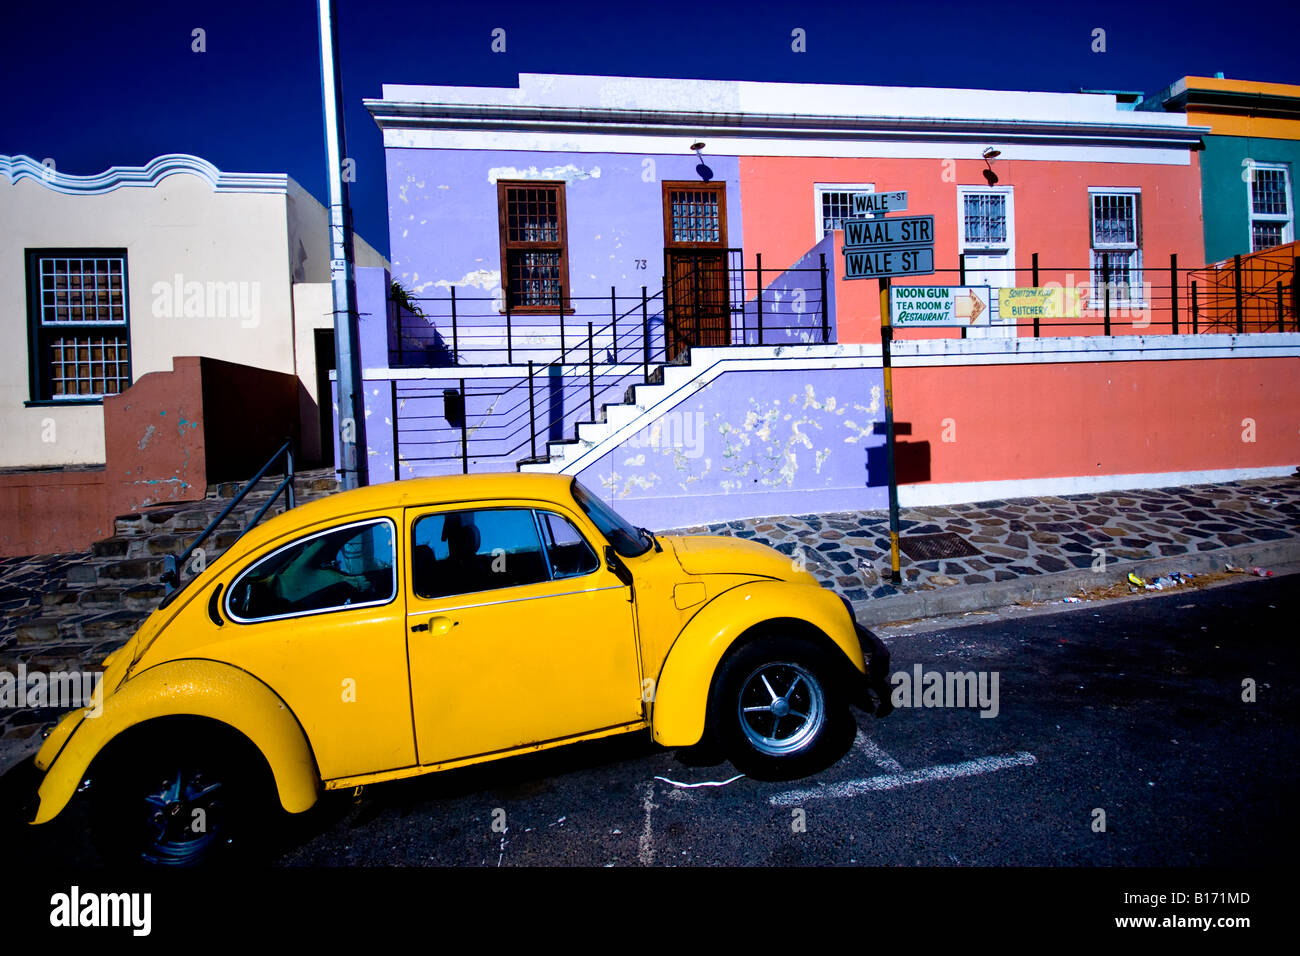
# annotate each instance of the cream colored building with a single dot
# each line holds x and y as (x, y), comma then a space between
(105, 278)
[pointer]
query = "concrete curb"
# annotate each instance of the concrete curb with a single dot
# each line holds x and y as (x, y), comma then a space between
(956, 599)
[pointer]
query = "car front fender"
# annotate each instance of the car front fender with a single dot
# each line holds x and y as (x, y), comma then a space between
(199, 688)
(681, 692)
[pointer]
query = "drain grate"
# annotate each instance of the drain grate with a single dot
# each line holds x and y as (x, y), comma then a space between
(934, 547)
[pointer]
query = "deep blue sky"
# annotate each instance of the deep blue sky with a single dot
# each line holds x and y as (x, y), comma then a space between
(97, 84)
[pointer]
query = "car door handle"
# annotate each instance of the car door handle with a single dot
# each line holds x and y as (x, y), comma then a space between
(436, 626)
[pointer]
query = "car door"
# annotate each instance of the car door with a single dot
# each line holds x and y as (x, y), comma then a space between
(517, 632)
(319, 620)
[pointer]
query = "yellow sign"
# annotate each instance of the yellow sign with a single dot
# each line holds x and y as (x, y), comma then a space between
(1016, 305)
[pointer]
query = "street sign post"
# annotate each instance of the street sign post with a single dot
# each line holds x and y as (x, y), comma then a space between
(881, 248)
(887, 372)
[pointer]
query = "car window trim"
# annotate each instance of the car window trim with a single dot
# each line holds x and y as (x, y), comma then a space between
(581, 537)
(236, 619)
(542, 539)
(536, 510)
(460, 508)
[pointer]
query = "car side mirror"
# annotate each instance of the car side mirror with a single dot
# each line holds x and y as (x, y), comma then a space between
(615, 564)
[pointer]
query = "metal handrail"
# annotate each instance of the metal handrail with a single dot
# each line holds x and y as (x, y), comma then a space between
(520, 429)
(170, 578)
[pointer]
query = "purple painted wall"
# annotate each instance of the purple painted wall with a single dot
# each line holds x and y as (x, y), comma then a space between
(443, 221)
(753, 443)
(375, 316)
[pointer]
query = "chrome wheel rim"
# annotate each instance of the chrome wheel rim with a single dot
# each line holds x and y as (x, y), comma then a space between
(170, 817)
(782, 708)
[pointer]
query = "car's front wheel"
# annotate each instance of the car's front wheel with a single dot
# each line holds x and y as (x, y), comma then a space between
(777, 709)
(178, 799)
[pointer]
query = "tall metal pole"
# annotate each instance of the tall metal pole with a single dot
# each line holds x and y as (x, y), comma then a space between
(351, 398)
(886, 336)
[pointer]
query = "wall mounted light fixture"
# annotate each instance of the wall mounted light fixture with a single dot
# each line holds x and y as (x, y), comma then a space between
(989, 155)
(701, 167)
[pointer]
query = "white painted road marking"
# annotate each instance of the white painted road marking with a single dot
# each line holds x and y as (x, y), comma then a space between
(892, 781)
(645, 853)
(868, 749)
(702, 783)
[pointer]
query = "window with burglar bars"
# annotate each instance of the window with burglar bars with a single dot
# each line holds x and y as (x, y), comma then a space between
(534, 245)
(696, 216)
(1270, 206)
(79, 332)
(835, 204)
(1116, 247)
(984, 220)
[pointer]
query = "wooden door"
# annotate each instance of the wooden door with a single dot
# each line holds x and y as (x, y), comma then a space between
(696, 294)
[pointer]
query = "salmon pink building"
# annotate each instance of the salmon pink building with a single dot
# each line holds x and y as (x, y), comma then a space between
(642, 282)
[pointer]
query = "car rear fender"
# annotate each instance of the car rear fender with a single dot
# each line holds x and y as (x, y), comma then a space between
(199, 688)
(681, 692)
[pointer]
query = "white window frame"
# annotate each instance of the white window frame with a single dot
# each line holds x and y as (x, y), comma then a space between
(996, 328)
(984, 247)
(1288, 220)
(1136, 285)
(819, 229)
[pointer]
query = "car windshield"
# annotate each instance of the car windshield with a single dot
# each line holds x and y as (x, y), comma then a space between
(627, 540)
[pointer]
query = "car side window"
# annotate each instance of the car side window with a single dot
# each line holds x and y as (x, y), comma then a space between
(570, 555)
(341, 568)
(461, 552)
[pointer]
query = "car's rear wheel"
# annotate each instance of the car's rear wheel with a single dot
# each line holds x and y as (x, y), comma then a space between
(777, 708)
(179, 799)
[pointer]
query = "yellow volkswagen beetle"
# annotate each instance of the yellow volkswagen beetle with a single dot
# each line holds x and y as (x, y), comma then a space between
(417, 626)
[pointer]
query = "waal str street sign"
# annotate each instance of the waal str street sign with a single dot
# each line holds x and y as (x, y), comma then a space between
(861, 234)
(939, 305)
(877, 204)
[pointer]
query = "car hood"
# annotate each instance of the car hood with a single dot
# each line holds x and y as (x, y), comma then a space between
(717, 554)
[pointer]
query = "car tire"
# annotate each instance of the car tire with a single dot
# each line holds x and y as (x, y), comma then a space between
(777, 708)
(183, 797)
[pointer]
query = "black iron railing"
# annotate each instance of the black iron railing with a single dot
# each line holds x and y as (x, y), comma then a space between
(173, 564)
(1254, 293)
(707, 298)
(540, 390)
(571, 362)
(1143, 299)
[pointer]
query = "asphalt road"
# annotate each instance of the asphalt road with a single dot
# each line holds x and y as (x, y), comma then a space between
(1133, 708)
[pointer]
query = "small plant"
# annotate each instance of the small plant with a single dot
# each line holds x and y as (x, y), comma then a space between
(405, 300)
(433, 350)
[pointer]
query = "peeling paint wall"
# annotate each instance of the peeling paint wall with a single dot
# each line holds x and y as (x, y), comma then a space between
(752, 443)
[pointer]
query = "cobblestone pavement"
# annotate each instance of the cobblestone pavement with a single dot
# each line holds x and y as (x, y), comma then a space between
(847, 551)
(23, 583)
(1015, 537)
